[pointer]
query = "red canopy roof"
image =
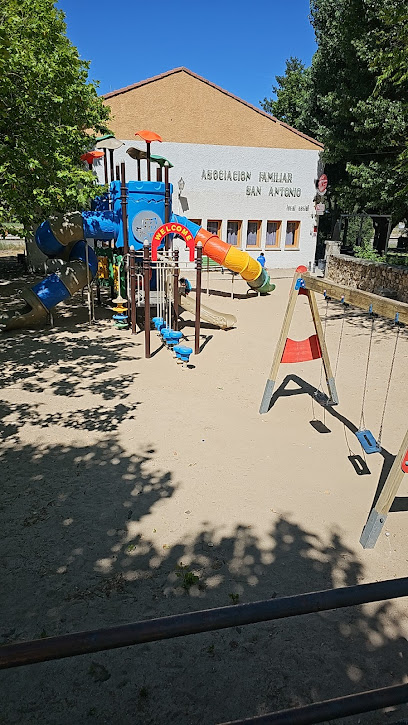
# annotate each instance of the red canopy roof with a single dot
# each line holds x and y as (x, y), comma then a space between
(90, 156)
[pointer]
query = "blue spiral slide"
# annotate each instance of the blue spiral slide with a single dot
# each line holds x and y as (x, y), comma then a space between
(61, 238)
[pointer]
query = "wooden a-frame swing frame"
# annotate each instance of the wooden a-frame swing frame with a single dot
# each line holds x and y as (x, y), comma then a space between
(304, 283)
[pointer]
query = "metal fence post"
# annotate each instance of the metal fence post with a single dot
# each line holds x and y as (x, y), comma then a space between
(199, 264)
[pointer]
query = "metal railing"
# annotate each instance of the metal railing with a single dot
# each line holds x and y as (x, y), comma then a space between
(209, 620)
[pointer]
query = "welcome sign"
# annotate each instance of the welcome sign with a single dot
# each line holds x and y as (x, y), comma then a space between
(172, 228)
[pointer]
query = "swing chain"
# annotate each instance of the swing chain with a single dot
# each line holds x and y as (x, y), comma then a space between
(345, 305)
(398, 324)
(319, 388)
(362, 420)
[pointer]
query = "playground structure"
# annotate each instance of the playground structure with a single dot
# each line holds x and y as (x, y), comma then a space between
(314, 347)
(168, 292)
(129, 217)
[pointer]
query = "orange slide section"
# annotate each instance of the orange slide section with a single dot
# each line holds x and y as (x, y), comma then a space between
(230, 257)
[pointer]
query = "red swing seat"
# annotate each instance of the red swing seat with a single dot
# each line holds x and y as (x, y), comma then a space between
(296, 351)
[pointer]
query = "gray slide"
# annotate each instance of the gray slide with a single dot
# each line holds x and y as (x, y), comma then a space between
(207, 314)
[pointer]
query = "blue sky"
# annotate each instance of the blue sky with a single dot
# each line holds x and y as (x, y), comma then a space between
(241, 45)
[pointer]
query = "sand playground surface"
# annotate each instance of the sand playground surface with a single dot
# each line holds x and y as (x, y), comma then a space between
(133, 489)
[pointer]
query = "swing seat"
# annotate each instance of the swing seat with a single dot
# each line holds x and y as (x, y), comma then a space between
(158, 323)
(301, 350)
(367, 441)
(183, 353)
(171, 337)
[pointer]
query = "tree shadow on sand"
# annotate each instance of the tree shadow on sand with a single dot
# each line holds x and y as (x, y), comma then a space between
(76, 555)
(67, 364)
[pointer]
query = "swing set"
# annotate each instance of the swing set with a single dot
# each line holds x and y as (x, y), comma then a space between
(314, 347)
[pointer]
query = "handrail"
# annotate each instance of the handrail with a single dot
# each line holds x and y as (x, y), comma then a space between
(332, 709)
(79, 643)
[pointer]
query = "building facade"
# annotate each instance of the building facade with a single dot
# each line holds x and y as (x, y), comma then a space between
(237, 171)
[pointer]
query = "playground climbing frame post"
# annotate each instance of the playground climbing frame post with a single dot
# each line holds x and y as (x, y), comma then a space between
(176, 275)
(199, 264)
(380, 510)
(146, 284)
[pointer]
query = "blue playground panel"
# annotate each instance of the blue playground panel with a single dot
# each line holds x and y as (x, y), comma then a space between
(145, 210)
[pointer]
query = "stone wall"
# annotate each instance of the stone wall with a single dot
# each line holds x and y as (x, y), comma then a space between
(381, 279)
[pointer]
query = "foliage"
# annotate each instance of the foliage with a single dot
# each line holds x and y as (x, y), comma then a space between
(365, 251)
(392, 44)
(391, 60)
(358, 234)
(354, 101)
(188, 578)
(399, 259)
(363, 130)
(234, 597)
(291, 92)
(47, 105)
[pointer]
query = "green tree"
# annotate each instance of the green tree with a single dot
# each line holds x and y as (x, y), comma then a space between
(354, 101)
(391, 60)
(363, 128)
(46, 107)
(391, 43)
(292, 91)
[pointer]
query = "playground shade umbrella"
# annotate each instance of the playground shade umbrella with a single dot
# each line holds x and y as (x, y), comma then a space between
(108, 142)
(90, 156)
(148, 136)
(135, 153)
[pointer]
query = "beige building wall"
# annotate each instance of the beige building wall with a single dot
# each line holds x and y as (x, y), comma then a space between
(184, 108)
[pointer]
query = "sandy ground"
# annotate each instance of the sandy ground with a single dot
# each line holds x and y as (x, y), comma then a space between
(132, 489)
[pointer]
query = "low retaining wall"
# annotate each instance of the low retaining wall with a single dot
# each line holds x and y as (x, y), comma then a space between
(381, 279)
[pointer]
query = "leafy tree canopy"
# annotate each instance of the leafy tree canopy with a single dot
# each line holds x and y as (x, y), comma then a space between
(46, 107)
(292, 91)
(353, 99)
(391, 61)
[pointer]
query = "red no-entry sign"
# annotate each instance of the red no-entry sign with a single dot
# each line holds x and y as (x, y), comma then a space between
(322, 184)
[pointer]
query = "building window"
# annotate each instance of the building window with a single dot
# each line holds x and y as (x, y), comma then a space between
(234, 233)
(196, 221)
(273, 233)
(253, 234)
(292, 235)
(214, 226)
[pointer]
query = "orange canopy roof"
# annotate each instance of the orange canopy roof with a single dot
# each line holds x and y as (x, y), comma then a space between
(148, 136)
